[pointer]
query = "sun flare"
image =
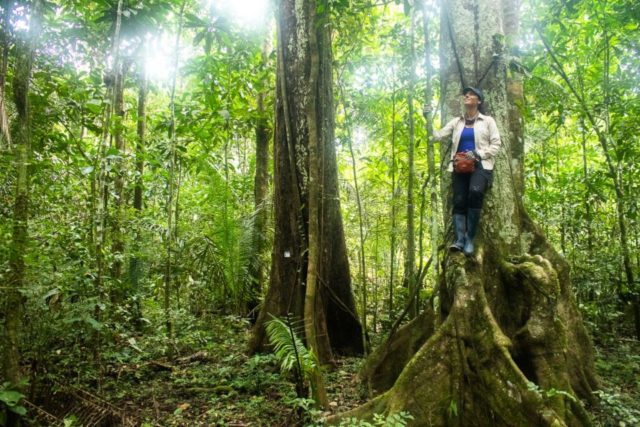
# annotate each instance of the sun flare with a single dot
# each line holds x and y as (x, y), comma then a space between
(250, 14)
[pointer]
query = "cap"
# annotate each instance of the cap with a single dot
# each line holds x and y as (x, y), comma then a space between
(475, 90)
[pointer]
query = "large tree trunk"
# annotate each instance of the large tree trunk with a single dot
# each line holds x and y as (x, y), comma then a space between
(505, 344)
(291, 174)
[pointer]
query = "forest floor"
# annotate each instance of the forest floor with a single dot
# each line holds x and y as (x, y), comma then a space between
(212, 382)
(222, 386)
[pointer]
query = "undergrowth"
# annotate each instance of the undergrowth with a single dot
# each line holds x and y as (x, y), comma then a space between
(204, 378)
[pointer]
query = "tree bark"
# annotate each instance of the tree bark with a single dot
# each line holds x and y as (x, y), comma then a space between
(506, 344)
(291, 192)
(314, 324)
(515, 95)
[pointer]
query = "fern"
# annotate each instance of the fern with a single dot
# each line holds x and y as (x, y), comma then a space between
(289, 348)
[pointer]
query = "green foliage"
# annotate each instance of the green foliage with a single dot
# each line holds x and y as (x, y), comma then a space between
(290, 350)
(549, 393)
(398, 419)
(618, 363)
(570, 184)
(615, 411)
(453, 408)
(71, 421)
(10, 400)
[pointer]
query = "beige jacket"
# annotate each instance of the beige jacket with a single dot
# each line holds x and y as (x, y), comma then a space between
(486, 136)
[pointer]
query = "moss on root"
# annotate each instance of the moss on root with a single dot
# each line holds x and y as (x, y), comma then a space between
(384, 365)
(501, 355)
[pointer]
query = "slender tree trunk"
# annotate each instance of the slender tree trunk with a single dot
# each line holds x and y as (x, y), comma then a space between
(431, 164)
(392, 249)
(14, 296)
(410, 255)
(311, 306)
(289, 271)
(5, 134)
(587, 191)
(140, 142)
(376, 294)
(261, 189)
(420, 274)
(135, 262)
(228, 284)
(172, 169)
(563, 233)
(515, 95)
(102, 192)
(117, 235)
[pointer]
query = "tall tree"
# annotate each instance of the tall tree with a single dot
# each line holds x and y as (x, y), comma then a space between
(118, 168)
(410, 254)
(504, 334)
(5, 135)
(111, 81)
(172, 205)
(289, 264)
(135, 261)
(392, 243)
(260, 191)
(14, 300)
(431, 164)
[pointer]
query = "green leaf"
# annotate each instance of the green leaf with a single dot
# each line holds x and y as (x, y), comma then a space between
(20, 410)
(132, 343)
(52, 292)
(94, 323)
(10, 397)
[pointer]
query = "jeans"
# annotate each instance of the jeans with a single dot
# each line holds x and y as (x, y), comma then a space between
(469, 189)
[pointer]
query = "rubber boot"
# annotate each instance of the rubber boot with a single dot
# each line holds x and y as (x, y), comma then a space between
(473, 218)
(459, 227)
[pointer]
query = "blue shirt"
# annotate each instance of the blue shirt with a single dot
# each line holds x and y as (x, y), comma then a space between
(467, 141)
